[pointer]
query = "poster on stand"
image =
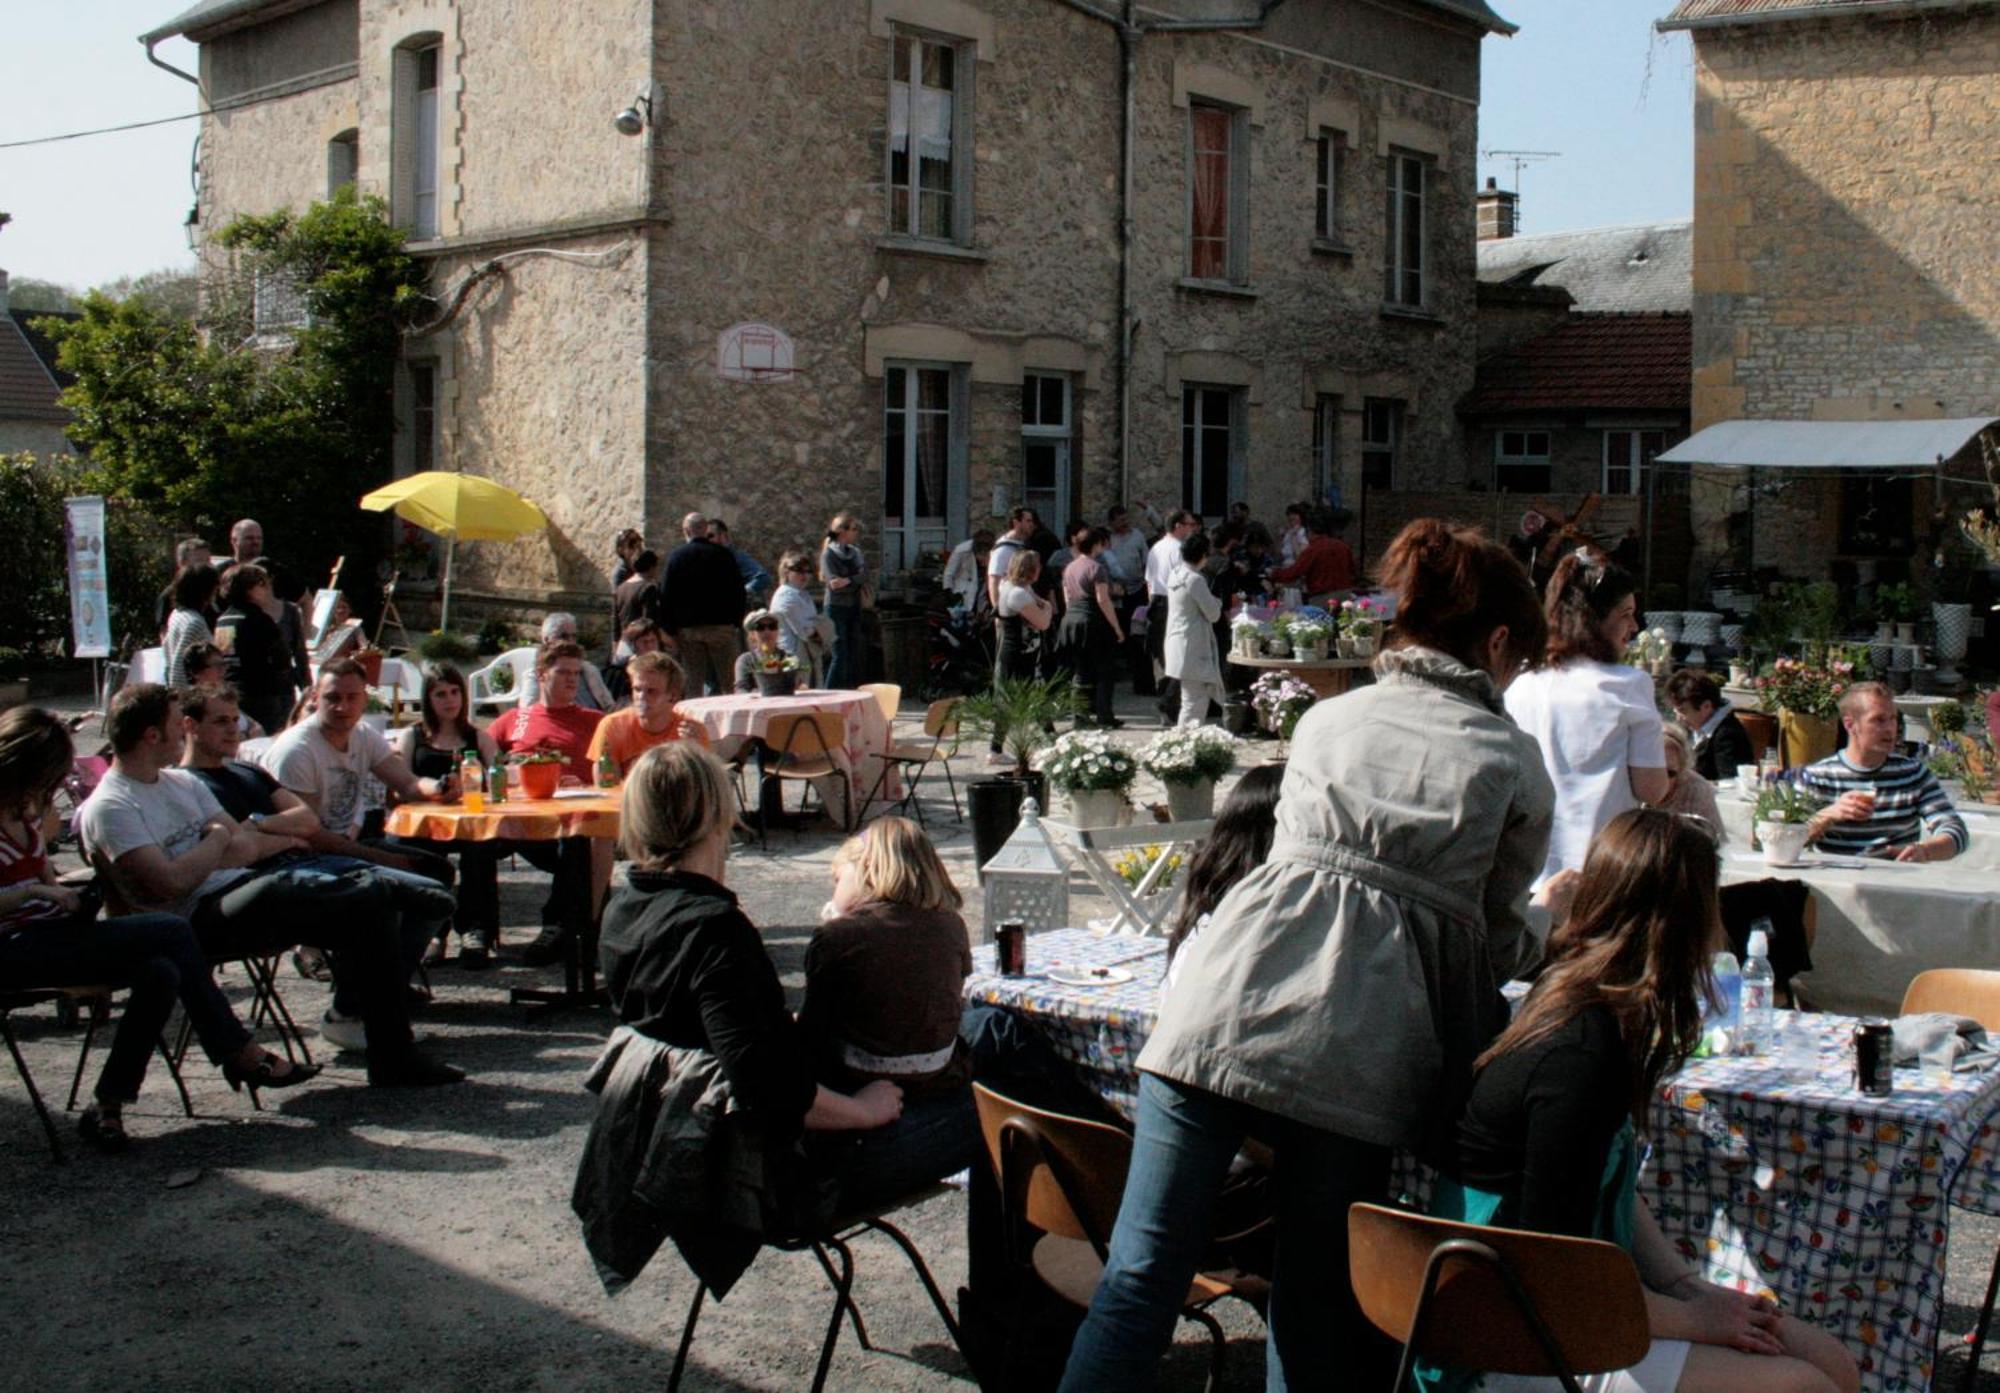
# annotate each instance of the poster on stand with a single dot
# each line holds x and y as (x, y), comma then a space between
(89, 597)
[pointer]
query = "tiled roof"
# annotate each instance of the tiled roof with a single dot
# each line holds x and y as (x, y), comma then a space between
(1709, 14)
(209, 16)
(1592, 362)
(28, 384)
(1648, 266)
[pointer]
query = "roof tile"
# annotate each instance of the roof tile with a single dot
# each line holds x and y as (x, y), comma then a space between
(1639, 362)
(28, 386)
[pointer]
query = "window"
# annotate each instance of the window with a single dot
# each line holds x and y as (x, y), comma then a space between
(1404, 258)
(1521, 461)
(1218, 190)
(1876, 517)
(1326, 186)
(1381, 441)
(923, 456)
(343, 161)
(423, 417)
(1628, 454)
(1045, 446)
(277, 305)
(1211, 453)
(414, 135)
(1326, 446)
(929, 159)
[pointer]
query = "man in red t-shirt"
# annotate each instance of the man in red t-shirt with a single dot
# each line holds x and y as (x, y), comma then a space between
(1326, 566)
(557, 723)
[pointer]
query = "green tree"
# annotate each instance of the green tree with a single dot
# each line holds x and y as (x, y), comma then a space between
(34, 572)
(29, 293)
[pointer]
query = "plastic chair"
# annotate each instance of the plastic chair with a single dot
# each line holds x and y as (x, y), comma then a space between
(518, 662)
(1062, 1178)
(148, 665)
(809, 745)
(940, 725)
(1974, 993)
(1496, 1300)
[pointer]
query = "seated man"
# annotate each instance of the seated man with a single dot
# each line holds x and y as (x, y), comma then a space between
(556, 722)
(657, 685)
(1721, 744)
(163, 843)
(1880, 802)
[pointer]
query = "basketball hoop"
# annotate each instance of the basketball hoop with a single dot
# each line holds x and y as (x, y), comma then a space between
(753, 352)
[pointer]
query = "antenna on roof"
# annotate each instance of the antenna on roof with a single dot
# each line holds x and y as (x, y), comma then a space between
(1520, 159)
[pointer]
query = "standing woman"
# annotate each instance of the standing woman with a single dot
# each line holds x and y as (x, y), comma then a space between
(800, 632)
(1192, 610)
(1022, 616)
(194, 591)
(1595, 718)
(433, 748)
(1348, 981)
(1091, 634)
(258, 661)
(844, 571)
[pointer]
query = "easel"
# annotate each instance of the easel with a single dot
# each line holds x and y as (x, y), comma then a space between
(389, 611)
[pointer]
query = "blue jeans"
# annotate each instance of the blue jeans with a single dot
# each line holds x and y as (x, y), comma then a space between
(1181, 1152)
(934, 1138)
(845, 669)
(157, 957)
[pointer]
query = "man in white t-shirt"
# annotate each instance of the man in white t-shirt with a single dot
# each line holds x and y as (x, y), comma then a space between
(1021, 525)
(1161, 562)
(162, 842)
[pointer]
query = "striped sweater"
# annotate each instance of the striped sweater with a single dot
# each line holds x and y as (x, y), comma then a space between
(1909, 804)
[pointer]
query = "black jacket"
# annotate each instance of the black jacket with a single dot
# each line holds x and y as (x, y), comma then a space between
(701, 585)
(1727, 747)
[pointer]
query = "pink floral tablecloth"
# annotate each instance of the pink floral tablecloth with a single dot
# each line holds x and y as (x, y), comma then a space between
(731, 720)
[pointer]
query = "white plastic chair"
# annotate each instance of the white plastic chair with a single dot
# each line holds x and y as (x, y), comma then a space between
(519, 661)
(148, 665)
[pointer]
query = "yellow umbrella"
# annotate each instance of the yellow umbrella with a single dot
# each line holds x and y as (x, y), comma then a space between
(457, 506)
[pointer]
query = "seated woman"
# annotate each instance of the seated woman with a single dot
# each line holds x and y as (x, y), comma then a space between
(1687, 791)
(1239, 842)
(763, 630)
(884, 983)
(433, 748)
(1547, 1139)
(50, 936)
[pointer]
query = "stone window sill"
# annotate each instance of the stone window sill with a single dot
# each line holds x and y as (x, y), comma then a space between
(1412, 314)
(1323, 247)
(1226, 289)
(942, 251)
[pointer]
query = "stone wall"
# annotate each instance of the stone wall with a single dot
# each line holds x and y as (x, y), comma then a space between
(272, 154)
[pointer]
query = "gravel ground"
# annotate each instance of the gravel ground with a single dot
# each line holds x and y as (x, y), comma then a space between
(344, 1238)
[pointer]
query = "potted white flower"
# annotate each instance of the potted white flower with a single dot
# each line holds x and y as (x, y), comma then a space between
(1278, 637)
(1310, 638)
(1188, 760)
(1246, 635)
(1780, 816)
(1360, 625)
(1092, 771)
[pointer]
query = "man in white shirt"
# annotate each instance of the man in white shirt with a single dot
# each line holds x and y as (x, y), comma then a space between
(1161, 563)
(1021, 525)
(163, 842)
(962, 570)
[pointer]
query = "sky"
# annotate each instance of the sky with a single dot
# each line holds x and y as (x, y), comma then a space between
(1586, 78)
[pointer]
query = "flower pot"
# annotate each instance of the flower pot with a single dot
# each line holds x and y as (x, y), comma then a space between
(1906, 631)
(1096, 807)
(540, 780)
(1278, 646)
(1783, 842)
(1954, 626)
(1670, 620)
(1244, 643)
(777, 684)
(1237, 717)
(1313, 652)
(1885, 632)
(1805, 739)
(1882, 652)
(993, 806)
(1364, 647)
(1191, 802)
(371, 665)
(1741, 675)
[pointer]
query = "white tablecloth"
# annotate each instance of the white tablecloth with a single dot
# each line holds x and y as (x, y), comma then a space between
(1982, 851)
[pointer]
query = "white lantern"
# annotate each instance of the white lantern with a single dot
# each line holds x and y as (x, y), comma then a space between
(1027, 879)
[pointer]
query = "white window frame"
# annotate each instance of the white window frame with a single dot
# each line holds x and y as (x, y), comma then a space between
(1635, 464)
(1063, 434)
(1238, 435)
(1374, 411)
(964, 62)
(914, 536)
(1236, 257)
(1329, 169)
(1400, 203)
(415, 138)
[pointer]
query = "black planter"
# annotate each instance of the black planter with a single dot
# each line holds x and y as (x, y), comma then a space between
(994, 806)
(1236, 716)
(774, 684)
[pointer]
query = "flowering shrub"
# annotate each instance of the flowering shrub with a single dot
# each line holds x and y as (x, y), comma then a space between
(1279, 699)
(1133, 865)
(1806, 688)
(1086, 761)
(775, 660)
(1360, 619)
(1189, 754)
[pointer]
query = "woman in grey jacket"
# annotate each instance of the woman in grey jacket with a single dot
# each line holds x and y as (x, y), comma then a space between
(1347, 983)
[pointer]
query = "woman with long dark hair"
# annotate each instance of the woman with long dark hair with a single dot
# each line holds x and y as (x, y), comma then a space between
(1235, 846)
(1348, 981)
(1594, 716)
(187, 627)
(257, 657)
(434, 747)
(1548, 1140)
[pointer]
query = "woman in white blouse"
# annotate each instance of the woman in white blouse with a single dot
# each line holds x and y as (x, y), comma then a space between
(1594, 716)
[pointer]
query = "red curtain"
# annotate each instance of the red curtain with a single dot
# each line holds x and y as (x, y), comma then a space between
(1209, 238)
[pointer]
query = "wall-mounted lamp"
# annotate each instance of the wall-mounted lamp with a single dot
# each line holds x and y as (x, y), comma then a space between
(191, 225)
(634, 119)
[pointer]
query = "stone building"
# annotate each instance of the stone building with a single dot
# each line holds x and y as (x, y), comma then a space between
(883, 255)
(1847, 185)
(31, 417)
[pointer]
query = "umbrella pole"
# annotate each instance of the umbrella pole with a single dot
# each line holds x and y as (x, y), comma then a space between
(444, 606)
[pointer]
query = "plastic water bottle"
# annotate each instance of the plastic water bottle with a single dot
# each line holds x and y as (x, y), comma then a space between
(1758, 988)
(1725, 1017)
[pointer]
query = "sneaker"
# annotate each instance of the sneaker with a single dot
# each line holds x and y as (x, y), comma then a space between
(548, 947)
(475, 950)
(412, 1069)
(343, 1032)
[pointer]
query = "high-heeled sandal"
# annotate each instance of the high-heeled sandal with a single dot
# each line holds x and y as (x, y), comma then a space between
(103, 1130)
(266, 1074)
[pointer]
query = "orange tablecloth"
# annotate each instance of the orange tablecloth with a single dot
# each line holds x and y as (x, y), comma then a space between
(521, 819)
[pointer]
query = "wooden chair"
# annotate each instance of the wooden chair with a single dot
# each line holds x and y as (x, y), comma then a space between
(1496, 1300)
(1974, 993)
(1062, 1178)
(940, 727)
(809, 745)
(888, 696)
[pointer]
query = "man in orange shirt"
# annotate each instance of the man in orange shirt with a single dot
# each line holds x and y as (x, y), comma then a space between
(657, 685)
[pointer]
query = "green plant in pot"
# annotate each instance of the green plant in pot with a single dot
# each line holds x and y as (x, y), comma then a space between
(1019, 714)
(1898, 603)
(1781, 817)
(1188, 760)
(541, 772)
(1093, 771)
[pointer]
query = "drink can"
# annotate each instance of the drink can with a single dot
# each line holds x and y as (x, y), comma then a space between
(496, 782)
(1874, 1057)
(1010, 942)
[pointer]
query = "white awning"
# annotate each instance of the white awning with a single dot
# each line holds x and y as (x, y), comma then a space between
(1828, 444)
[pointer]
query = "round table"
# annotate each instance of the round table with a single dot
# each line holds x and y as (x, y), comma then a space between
(1328, 676)
(734, 719)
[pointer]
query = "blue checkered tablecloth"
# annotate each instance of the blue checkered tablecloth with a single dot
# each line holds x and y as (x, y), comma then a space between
(1776, 1173)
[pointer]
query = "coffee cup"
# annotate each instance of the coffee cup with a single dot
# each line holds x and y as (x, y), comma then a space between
(1747, 778)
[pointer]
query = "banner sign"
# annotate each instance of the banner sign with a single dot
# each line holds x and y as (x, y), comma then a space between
(89, 598)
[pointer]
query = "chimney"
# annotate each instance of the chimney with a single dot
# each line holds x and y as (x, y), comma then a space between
(1496, 211)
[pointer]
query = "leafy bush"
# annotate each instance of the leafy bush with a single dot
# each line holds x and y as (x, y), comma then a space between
(34, 571)
(456, 649)
(496, 636)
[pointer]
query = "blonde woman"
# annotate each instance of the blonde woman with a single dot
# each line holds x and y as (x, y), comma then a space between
(844, 571)
(1687, 791)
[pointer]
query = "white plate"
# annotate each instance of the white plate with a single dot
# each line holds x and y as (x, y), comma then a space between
(1072, 975)
(582, 792)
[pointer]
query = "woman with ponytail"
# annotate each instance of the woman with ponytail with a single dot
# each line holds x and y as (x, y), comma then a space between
(1594, 716)
(1345, 985)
